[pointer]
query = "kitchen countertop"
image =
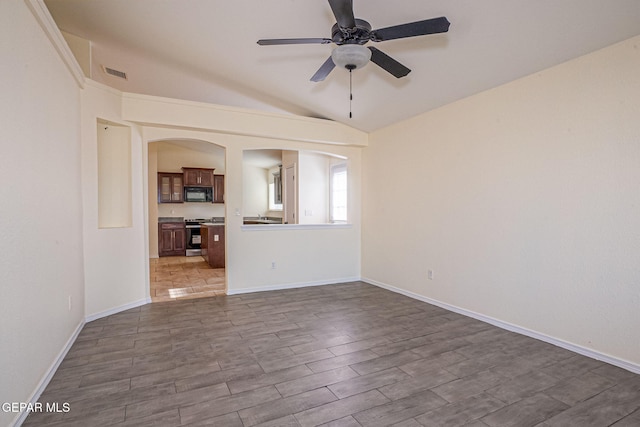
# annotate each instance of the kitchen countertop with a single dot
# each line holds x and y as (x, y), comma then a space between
(254, 220)
(211, 224)
(171, 219)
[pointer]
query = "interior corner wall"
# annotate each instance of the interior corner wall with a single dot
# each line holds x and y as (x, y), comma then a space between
(41, 270)
(524, 201)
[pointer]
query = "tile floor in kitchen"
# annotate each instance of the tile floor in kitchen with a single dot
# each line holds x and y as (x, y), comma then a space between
(181, 277)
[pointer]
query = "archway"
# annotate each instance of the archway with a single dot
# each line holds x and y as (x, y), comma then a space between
(185, 196)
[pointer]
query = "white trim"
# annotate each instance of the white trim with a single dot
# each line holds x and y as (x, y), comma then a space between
(58, 360)
(281, 227)
(118, 309)
(157, 111)
(44, 382)
(621, 363)
(45, 20)
(291, 286)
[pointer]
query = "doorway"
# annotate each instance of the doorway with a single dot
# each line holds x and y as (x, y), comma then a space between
(290, 202)
(179, 276)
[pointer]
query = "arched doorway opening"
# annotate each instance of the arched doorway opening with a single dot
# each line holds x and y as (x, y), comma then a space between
(186, 219)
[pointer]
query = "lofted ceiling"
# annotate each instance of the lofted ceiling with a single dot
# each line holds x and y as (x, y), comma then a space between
(206, 50)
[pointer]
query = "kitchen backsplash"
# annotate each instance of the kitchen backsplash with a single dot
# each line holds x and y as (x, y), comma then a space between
(190, 210)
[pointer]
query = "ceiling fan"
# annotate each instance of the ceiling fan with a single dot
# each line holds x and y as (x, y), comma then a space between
(351, 34)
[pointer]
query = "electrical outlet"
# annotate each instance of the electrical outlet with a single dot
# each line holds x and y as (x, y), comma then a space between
(430, 274)
(70, 303)
(273, 265)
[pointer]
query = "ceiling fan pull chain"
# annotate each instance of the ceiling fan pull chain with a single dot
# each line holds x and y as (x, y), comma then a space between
(350, 91)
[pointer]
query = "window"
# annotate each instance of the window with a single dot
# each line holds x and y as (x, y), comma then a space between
(275, 197)
(338, 189)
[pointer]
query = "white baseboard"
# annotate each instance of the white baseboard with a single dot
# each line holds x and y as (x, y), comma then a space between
(54, 366)
(621, 363)
(291, 286)
(118, 309)
(44, 382)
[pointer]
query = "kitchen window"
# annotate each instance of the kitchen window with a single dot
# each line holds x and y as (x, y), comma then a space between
(275, 190)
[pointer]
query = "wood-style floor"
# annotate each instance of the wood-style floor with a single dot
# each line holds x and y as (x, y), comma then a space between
(337, 355)
(180, 277)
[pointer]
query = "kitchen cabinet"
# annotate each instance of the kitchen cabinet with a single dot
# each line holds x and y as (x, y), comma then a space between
(213, 245)
(218, 188)
(198, 177)
(170, 186)
(172, 239)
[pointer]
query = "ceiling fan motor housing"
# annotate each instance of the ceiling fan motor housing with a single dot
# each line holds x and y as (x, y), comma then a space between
(350, 53)
(360, 34)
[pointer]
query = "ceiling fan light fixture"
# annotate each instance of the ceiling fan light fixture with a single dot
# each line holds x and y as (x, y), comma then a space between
(351, 56)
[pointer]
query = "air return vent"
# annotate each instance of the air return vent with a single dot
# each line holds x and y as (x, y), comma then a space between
(115, 73)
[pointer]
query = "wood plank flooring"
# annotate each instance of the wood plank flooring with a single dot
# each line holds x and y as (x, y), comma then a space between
(337, 355)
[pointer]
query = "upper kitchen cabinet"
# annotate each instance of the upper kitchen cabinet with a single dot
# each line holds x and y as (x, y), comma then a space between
(198, 177)
(218, 188)
(170, 186)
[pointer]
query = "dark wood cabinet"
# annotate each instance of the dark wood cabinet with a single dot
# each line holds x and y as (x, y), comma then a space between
(218, 188)
(198, 177)
(172, 239)
(213, 245)
(170, 187)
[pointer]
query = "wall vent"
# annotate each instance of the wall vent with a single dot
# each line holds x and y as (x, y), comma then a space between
(115, 73)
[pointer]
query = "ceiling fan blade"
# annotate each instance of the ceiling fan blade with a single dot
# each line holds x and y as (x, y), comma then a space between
(272, 42)
(323, 71)
(387, 63)
(343, 11)
(412, 29)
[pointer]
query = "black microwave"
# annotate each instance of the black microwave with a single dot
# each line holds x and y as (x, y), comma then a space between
(198, 194)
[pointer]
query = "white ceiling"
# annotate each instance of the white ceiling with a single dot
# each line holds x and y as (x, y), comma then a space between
(205, 50)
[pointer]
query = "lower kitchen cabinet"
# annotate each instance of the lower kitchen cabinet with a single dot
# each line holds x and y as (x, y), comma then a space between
(171, 239)
(213, 245)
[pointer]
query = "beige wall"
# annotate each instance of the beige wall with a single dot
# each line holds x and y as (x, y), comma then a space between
(114, 175)
(255, 190)
(313, 180)
(41, 212)
(115, 259)
(523, 200)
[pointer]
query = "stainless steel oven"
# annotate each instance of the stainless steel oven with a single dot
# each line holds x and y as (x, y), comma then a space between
(194, 238)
